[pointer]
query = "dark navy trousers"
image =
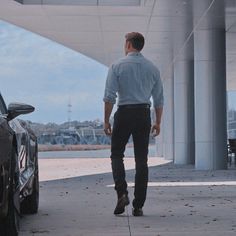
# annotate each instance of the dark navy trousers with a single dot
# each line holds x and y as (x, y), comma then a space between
(127, 122)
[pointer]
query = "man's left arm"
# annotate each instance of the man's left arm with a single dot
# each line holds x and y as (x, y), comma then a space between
(158, 100)
(156, 128)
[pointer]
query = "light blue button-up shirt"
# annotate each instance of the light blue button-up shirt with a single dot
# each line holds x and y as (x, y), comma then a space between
(135, 79)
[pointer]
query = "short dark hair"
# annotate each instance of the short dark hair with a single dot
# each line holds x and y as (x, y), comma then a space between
(137, 40)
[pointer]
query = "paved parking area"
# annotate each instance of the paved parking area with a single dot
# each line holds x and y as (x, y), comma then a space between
(181, 201)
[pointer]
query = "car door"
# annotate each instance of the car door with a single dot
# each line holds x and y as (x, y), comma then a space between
(6, 133)
(6, 136)
(22, 143)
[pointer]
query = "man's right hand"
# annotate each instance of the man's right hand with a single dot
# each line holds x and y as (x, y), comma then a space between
(107, 128)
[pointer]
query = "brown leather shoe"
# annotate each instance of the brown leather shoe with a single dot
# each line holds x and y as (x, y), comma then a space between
(137, 212)
(122, 202)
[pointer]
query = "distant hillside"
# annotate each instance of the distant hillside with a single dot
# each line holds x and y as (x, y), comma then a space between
(48, 128)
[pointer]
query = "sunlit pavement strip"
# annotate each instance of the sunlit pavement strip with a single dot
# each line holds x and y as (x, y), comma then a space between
(53, 169)
(185, 184)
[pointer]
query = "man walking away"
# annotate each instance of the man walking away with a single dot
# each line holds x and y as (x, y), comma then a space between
(135, 79)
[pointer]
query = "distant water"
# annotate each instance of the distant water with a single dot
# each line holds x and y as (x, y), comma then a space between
(90, 154)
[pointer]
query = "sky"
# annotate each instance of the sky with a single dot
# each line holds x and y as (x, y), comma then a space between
(47, 75)
(231, 99)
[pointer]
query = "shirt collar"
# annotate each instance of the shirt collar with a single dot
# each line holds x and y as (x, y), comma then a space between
(134, 54)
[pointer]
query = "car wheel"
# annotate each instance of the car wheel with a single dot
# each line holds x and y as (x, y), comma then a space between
(31, 203)
(10, 224)
(12, 221)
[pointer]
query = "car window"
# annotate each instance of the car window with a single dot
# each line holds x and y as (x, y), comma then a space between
(3, 109)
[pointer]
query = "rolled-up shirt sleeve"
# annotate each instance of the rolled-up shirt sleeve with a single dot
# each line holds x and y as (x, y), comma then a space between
(157, 93)
(111, 87)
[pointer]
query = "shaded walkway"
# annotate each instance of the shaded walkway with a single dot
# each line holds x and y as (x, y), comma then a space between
(83, 206)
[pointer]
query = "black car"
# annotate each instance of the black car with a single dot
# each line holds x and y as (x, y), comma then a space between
(19, 182)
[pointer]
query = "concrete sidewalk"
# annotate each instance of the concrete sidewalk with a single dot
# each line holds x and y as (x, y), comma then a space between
(83, 206)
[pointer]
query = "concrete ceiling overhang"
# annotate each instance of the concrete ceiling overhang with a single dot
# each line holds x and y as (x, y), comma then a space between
(82, 2)
(96, 28)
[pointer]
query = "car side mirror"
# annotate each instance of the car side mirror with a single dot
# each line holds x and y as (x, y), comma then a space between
(16, 109)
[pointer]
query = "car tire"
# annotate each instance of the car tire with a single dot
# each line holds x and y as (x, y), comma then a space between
(10, 224)
(31, 203)
(12, 221)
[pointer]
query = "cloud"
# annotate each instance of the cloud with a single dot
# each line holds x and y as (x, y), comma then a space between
(38, 71)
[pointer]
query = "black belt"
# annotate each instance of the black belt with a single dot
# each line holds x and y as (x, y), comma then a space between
(131, 106)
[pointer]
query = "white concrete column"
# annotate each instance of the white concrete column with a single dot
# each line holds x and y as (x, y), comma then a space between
(184, 91)
(168, 115)
(184, 111)
(210, 99)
